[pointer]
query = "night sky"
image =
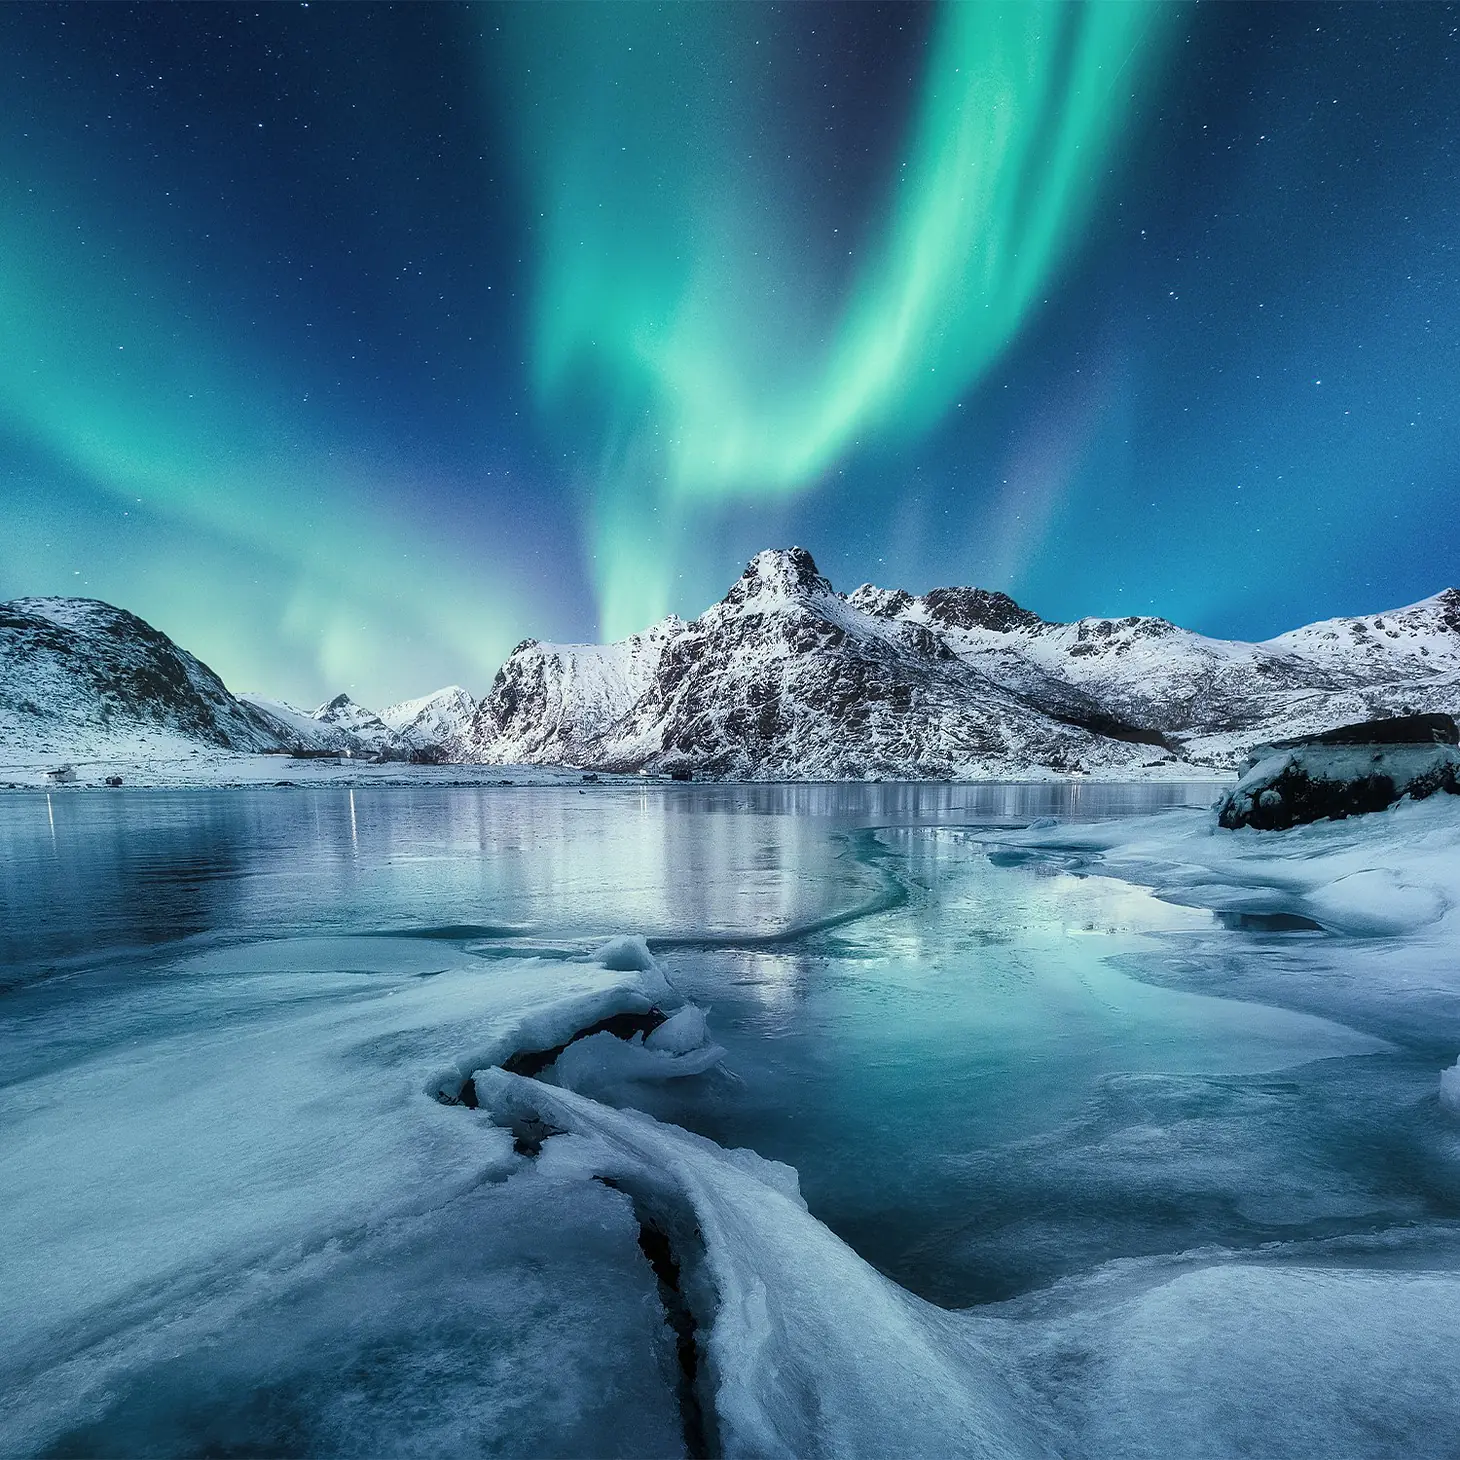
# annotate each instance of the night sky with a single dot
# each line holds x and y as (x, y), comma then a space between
(351, 344)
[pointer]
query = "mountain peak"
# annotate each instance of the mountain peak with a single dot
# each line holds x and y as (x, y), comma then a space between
(779, 572)
(977, 608)
(1447, 600)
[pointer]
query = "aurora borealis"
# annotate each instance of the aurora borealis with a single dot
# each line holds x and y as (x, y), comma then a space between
(351, 344)
(690, 319)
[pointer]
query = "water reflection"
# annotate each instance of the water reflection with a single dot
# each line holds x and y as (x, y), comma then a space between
(84, 876)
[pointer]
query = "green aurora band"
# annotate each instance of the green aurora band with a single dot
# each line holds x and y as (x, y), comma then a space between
(118, 376)
(675, 343)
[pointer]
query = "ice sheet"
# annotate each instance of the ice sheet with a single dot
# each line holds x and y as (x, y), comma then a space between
(188, 1151)
(1210, 1358)
(1388, 872)
(810, 1352)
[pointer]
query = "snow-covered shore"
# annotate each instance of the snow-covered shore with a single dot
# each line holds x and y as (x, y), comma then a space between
(192, 767)
(1389, 872)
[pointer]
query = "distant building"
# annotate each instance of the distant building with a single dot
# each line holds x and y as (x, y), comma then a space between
(61, 776)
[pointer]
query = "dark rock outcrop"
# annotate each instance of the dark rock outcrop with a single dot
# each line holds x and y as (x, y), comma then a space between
(1348, 771)
(977, 608)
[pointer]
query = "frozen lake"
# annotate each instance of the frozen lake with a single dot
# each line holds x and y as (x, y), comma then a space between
(235, 1221)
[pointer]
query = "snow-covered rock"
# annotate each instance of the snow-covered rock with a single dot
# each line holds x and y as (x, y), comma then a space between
(1346, 772)
(1213, 698)
(555, 703)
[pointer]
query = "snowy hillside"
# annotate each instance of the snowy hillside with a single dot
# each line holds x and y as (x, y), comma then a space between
(75, 672)
(338, 727)
(1406, 644)
(296, 728)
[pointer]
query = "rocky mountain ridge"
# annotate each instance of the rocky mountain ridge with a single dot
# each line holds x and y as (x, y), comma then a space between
(787, 677)
(784, 678)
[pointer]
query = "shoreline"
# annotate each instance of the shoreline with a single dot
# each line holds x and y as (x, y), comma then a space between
(267, 772)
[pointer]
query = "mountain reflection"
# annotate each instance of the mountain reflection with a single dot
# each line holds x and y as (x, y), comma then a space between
(88, 875)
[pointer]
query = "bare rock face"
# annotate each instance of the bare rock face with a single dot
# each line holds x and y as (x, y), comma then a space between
(976, 608)
(1347, 771)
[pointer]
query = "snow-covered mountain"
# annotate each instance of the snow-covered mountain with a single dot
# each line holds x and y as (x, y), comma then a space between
(82, 679)
(337, 727)
(295, 728)
(557, 703)
(1210, 697)
(364, 731)
(77, 673)
(436, 725)
(786, 677)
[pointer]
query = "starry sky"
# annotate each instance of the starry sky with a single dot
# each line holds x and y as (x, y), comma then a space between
(351, 344)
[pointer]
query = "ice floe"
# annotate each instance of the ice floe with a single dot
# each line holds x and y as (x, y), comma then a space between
(1388, 872)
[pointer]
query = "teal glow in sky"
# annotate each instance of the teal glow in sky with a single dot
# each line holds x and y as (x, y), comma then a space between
(110, 380)
(352, 344)
(673, 295)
